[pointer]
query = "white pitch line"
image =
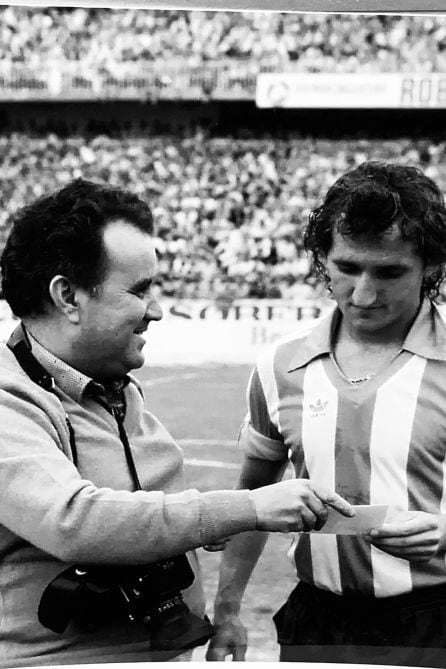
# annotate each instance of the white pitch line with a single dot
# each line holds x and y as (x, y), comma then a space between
(207, 442)
(210, 463)
(169, 378)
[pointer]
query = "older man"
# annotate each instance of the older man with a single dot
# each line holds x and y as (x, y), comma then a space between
(358, 398)
(95, 523)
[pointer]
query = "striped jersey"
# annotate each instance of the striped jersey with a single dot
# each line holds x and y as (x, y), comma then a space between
(381, 442)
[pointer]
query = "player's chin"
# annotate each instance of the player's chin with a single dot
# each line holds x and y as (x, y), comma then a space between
(372, 323)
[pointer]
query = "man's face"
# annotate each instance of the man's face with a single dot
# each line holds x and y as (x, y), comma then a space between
(113, 320)
(376, 283)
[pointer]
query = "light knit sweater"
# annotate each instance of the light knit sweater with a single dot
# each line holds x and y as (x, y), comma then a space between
(53, 514)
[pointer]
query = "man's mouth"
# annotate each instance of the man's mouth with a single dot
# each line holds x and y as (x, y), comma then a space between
(140, 331)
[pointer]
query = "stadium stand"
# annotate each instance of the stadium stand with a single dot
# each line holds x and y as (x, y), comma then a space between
(101, 38)
(229, 209)
(228, 212)
(190, 54)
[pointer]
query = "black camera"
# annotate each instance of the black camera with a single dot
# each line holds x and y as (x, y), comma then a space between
(93, 596)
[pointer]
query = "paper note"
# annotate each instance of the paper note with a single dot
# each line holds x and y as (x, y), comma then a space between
(366, 518)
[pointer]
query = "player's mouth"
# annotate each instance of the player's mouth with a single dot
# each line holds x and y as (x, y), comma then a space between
(365, 309)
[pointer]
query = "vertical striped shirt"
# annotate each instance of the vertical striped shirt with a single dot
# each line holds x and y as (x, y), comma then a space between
(381, 442)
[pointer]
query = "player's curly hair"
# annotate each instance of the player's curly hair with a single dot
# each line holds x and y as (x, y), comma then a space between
(372, 198)
(61, 233)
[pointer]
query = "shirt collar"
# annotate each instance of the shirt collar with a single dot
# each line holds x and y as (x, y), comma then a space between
(426, 337)
(70, 380)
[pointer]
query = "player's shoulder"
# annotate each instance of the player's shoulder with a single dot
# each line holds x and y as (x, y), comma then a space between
(280, 353)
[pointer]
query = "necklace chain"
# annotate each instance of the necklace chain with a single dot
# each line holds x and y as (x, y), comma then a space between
(360, 379)
(367, 377)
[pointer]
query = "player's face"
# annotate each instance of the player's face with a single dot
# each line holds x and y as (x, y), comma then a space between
(376, 283)
(114, 319)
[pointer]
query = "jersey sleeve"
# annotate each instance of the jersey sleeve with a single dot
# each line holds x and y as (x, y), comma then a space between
(259, 434)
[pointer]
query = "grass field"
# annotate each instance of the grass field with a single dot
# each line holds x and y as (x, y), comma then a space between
(203, 407)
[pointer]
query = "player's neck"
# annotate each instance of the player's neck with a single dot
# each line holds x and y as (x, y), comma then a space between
(370, 340)
(387, 337)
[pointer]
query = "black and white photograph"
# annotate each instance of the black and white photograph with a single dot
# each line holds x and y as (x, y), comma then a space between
(223, 333)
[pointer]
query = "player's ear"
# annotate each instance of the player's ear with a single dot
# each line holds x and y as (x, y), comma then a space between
(323, 260)
(431, 274)
(65, 298)
(323, 270)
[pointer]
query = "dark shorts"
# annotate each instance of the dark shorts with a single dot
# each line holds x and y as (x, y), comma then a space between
(318, 626)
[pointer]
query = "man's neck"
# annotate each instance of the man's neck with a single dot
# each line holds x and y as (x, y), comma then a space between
(50, 337)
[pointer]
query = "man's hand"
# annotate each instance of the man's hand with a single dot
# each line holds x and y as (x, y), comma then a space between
(412, 535)
(230, 639)
(296, 505)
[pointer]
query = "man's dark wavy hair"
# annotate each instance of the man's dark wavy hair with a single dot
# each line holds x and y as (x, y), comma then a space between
(369, 200)
(61, 233)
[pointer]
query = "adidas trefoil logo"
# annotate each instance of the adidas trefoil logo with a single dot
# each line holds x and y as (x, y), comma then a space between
(318, 409)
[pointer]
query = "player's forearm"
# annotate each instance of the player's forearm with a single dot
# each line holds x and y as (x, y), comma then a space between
(243, 551)
(238, 561)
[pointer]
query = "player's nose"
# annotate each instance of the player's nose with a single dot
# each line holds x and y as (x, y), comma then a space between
(364, 292)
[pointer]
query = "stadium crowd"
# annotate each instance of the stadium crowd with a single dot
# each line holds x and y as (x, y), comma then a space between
(107, 40)
(228, 212)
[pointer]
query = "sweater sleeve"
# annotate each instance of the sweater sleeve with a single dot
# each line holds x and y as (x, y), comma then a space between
(45, 501)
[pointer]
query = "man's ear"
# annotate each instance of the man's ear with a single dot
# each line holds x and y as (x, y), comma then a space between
(65, 298)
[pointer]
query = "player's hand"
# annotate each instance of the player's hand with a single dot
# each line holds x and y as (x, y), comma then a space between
(296, 505)
(412, 535)
(230, 639)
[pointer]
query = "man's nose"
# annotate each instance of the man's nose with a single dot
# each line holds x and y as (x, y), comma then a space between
(364, 292)
(154, 311)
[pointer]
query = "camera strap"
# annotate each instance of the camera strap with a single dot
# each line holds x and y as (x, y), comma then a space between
(20, 346)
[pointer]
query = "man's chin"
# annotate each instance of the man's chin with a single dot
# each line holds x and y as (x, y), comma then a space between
(127, 365)
(136, 362)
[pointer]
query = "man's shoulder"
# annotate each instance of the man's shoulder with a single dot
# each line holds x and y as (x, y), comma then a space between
(13, 380)
(9, 367)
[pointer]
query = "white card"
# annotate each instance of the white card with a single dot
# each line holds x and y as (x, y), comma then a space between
(367, 517)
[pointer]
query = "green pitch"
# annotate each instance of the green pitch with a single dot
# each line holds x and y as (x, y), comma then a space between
(203, 407)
